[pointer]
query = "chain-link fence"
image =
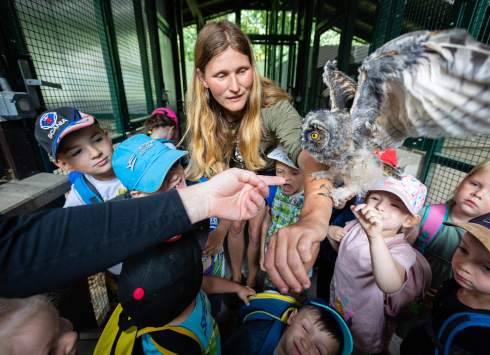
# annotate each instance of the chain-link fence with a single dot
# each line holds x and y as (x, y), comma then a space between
(447, 160)
(104, 55)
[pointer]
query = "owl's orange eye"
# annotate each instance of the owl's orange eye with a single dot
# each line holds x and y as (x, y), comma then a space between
(314, 135)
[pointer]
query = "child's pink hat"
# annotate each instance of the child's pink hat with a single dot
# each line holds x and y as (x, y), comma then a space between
(410, 190)
(169, 113)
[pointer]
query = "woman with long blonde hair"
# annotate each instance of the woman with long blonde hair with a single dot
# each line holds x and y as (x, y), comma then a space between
(235, 118)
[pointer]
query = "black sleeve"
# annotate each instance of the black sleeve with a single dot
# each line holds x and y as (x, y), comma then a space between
(49, 249)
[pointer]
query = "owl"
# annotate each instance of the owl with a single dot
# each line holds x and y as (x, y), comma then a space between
(432, 84)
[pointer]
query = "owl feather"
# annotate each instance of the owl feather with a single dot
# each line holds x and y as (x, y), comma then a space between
(432, 84)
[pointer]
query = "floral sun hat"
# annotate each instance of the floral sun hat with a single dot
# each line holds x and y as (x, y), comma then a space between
(410, 190)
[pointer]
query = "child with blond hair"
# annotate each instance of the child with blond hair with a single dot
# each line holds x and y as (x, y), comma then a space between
(459, 322)
(32, 326)
(438, 242)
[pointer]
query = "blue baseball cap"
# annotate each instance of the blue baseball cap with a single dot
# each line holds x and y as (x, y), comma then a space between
(347, 345)
(142, 163)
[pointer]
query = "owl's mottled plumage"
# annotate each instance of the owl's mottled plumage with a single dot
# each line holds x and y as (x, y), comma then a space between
(433, 84)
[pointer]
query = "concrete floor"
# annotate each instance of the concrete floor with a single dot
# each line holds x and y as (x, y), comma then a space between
(227, 319)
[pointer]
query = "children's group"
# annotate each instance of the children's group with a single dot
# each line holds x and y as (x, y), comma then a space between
(395, 275)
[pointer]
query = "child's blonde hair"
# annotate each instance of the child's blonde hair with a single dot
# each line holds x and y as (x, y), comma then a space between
(484, 165)
(16, 312)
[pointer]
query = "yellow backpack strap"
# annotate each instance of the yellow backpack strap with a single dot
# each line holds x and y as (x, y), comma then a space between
(113, 340)
(167, 339)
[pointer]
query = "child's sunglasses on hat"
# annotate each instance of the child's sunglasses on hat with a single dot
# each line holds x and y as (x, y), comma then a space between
(173, 167)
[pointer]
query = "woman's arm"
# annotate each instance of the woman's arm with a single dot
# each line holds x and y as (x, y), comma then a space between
(292, 245)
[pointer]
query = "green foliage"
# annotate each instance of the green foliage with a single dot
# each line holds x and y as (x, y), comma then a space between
(190, 37)
(253, 21)
(330, 37)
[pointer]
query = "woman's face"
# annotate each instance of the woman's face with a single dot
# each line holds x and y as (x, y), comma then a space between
(229, 76)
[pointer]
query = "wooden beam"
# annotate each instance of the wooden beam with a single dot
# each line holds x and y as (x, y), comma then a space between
(196, 13)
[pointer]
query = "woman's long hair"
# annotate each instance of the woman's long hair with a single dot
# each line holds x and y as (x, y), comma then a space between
(210, 142)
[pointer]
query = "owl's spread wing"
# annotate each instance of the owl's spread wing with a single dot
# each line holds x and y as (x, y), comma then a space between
(341, 87)
(432, 84)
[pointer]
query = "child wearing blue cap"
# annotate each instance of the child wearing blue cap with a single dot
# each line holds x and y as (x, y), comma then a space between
(279, 325)
(147, 167)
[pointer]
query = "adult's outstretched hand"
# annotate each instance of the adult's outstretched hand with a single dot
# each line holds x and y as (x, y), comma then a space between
(234, 194)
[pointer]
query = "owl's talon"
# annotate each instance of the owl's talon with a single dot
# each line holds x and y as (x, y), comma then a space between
(326, 186)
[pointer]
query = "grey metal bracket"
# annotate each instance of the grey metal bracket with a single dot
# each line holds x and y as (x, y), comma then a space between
(36, 82)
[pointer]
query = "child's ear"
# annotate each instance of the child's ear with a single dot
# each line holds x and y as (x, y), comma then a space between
(64, 165)
(292, 315)
(108, 136)
(411, 221)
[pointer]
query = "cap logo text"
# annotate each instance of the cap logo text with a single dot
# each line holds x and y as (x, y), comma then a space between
(56, 127)
(131, 162)
(145, 146)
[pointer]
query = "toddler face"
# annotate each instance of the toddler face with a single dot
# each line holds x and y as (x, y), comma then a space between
(391, 207)
(88, 150)
(295, 178)
(473, 196)
(305, 337)
(471, 265)
(46, 333)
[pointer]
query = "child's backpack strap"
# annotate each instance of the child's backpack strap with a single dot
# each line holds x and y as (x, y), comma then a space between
(456, 323)
(434, 216)
(89, 193)
(270, 307)
(120, 334)
(73, 176)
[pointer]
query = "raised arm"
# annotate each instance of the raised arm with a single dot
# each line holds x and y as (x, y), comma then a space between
(388, 274)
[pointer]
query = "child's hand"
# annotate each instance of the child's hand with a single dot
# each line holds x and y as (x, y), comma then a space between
(244, 292)
(343, 202)
(429, 297)
(262, 261)
(370, 219)
(213, 245)
(336, 233)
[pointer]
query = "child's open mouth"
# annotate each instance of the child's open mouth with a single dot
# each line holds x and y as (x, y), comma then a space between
(287, 187)
(179, 185)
